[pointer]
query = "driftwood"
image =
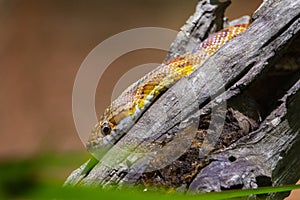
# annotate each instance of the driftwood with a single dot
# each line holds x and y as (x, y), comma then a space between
(234, 123)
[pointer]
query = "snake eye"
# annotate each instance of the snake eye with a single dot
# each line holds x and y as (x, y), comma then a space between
(105, 128)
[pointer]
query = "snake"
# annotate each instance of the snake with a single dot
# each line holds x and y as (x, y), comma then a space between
(119, 117)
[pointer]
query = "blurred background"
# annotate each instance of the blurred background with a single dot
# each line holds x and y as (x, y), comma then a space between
(42, 45)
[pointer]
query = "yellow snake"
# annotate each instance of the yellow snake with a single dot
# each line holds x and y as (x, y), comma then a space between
(124, 111)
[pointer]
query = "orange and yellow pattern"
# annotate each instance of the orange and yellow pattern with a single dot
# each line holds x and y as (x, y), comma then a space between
(132, 103)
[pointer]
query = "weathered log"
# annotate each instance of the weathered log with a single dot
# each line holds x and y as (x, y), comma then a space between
(247, 99)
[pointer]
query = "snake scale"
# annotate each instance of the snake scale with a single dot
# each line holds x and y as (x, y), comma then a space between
(124, 111)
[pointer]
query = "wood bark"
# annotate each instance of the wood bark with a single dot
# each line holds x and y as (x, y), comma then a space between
(233, 123)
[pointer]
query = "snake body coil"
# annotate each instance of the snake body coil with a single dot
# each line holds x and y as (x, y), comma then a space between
(123, 112)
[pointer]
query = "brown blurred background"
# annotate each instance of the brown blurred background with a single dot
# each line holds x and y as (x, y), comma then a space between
(43, 43)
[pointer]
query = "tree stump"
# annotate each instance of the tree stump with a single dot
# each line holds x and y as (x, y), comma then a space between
(233, 123)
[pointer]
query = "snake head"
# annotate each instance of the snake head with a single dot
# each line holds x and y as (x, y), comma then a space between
(112, 125)
(103, 134)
